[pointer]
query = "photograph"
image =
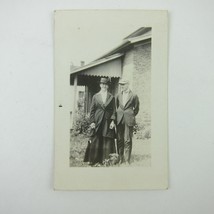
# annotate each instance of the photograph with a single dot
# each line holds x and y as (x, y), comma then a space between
(110, 99)
(111, 111)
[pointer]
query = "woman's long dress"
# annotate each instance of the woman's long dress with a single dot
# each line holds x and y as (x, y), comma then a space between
(101, 142)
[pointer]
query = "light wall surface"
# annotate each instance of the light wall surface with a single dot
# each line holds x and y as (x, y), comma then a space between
(26, 116)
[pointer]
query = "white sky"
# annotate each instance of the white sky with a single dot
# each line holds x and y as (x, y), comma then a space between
(90, 34)
(87, 35)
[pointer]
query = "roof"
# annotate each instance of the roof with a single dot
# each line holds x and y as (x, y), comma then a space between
(142, 34)
(139, 32)
(97, 62)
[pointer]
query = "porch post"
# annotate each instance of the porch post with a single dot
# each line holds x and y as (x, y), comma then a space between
(75, 99)
(86, 100)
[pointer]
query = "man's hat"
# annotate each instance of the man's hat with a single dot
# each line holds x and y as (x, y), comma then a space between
(105, 80)
(123, 81)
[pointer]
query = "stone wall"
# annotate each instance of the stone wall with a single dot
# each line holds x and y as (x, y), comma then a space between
(142, 81)
(137, 69)
(128, 66)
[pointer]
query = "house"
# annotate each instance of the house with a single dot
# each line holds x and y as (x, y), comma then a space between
(131, 60)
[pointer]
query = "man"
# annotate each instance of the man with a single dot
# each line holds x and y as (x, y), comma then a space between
(127, 107)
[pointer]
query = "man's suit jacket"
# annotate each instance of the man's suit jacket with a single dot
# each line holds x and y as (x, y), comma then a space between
(129, 111)
(103, 113)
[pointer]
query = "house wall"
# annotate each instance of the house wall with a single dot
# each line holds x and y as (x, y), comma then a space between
(142, 81)
(128, 67)
(137, 69)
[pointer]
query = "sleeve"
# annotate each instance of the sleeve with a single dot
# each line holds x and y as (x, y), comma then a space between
(136, 105)
(113, 116)
(117, 102)
(92, 110)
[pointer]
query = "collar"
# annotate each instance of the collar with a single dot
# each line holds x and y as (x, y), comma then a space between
(127, 91)
(103, 92)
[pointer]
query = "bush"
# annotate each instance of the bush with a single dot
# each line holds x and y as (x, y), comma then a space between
(138, 127)
(141, 131)
(147, 134)
(82, 123)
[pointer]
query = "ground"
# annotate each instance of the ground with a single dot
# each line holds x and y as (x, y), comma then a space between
(141, 151)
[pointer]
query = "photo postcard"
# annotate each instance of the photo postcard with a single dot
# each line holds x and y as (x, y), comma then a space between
(110, 129)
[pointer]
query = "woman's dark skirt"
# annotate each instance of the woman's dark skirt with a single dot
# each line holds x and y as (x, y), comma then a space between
(99, 148)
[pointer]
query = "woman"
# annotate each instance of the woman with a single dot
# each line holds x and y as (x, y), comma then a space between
(102, 116)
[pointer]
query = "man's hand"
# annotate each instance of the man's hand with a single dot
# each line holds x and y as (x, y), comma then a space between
(112, 125)
(92, 125)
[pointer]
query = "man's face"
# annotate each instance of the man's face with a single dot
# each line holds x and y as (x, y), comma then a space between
(104, 87)
(124, 87)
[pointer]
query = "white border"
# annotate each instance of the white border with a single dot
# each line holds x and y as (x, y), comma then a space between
(154, 177)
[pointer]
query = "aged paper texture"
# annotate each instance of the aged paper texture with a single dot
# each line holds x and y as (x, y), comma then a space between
(107, 136)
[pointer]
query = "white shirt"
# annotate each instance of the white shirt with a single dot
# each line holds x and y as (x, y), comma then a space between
(104, 96)
(125, 96)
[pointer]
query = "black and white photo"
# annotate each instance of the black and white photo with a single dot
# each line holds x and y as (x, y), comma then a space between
(111, 99)
(111, 96)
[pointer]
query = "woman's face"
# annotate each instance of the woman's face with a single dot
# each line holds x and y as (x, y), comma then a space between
(104, 87)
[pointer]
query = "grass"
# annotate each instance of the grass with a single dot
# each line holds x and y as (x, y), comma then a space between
(141, 154)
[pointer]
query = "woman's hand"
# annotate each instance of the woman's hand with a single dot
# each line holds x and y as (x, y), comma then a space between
(92, 125)
(112, 125)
